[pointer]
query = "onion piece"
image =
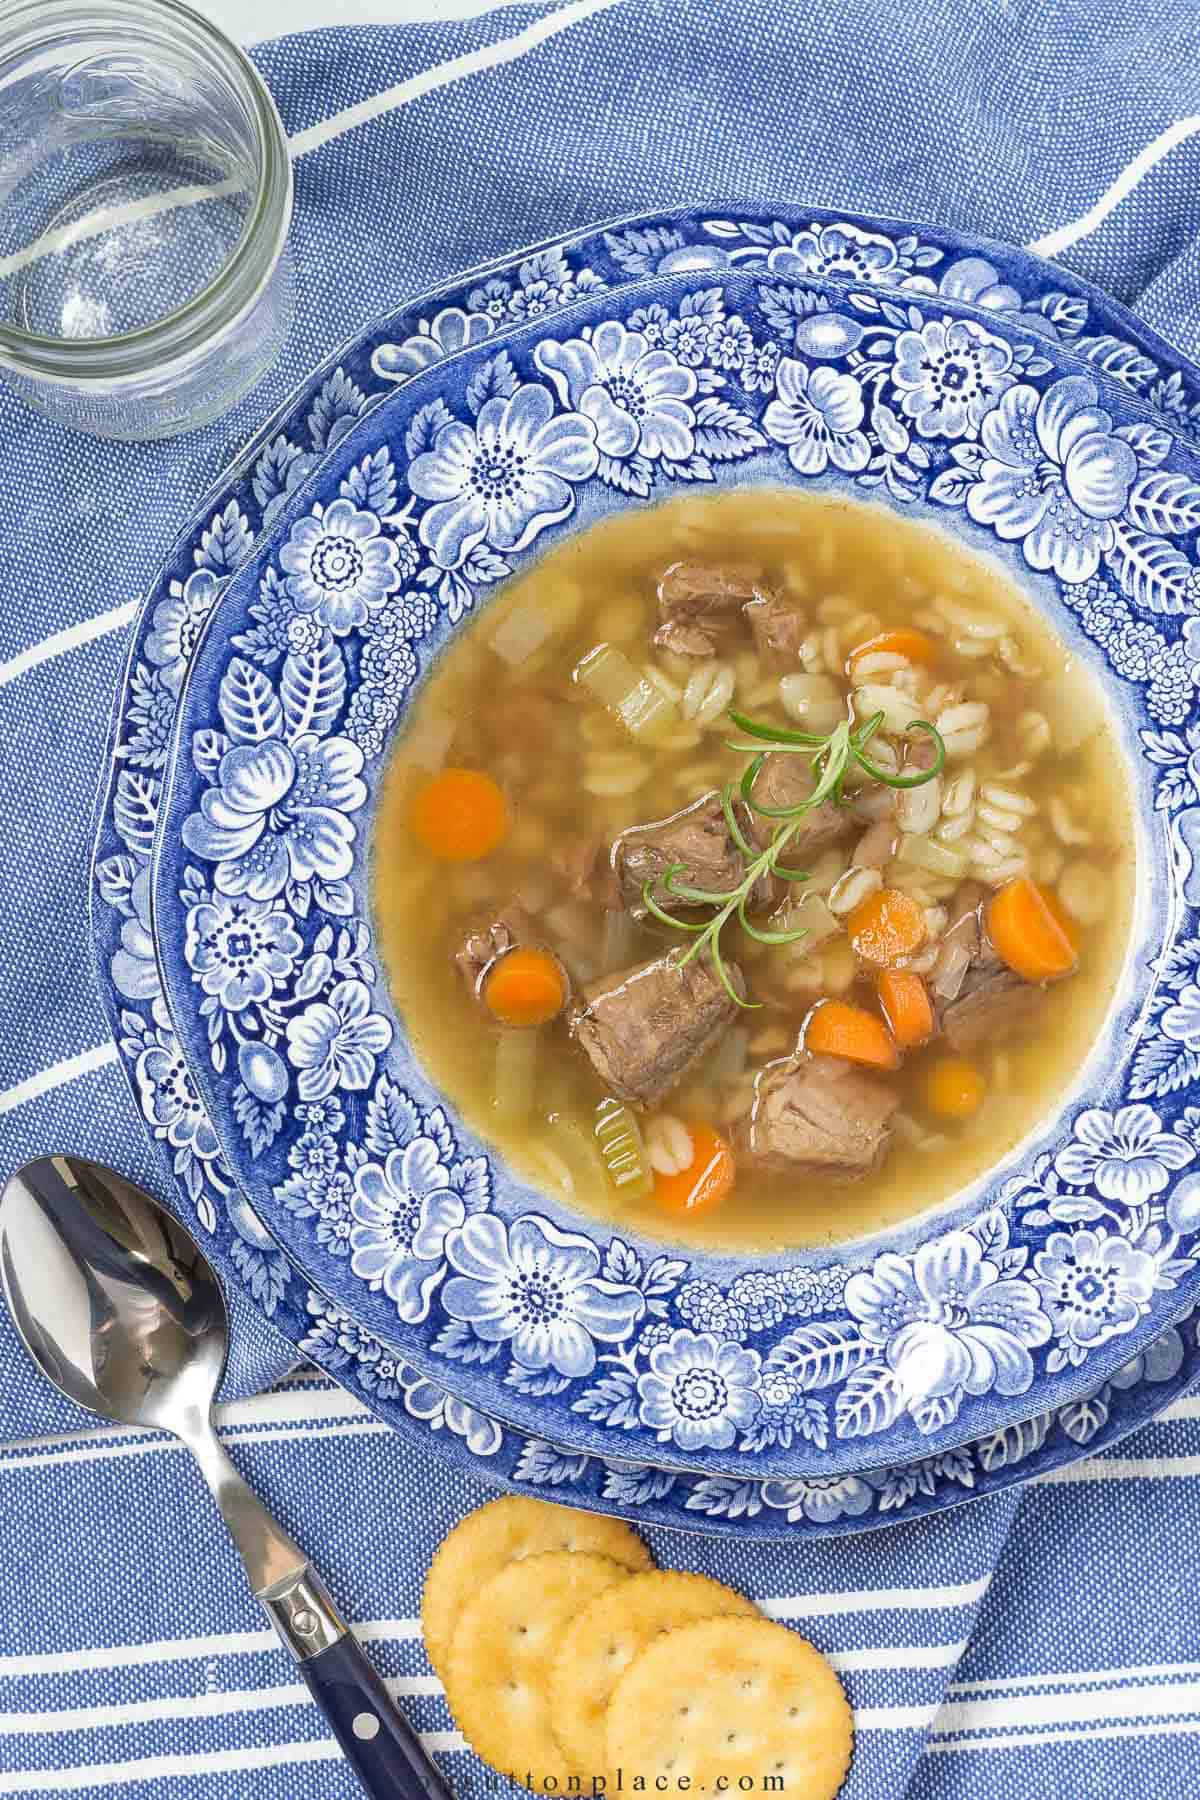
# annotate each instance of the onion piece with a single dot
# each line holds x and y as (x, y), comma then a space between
(950, 969)
(578, 1148)
(811, 912)
(611, 678)
(513, 1082)
(926, 853)
(428, 742)
(520, 634)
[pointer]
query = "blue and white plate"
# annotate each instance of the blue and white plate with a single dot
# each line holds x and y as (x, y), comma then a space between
(1103, 1197)
(216, 542)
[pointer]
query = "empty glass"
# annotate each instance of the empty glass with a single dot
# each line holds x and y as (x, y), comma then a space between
(145, 196)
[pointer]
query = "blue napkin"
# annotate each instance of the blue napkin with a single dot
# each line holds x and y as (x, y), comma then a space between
(1028, 1646)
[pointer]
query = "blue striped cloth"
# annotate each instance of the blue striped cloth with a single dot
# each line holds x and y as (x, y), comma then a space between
(1037, 1645)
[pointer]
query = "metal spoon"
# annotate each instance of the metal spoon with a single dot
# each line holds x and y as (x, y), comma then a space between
(118, 1307)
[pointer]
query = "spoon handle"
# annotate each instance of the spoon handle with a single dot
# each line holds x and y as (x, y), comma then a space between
(384, 1752)
(378, 1744)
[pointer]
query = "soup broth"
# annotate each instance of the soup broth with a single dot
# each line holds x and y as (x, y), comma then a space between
(593, 697)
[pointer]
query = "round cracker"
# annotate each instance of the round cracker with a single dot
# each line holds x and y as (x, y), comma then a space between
(498, 1670)
(615, 1628)
(502, 1532)
(732, 1697)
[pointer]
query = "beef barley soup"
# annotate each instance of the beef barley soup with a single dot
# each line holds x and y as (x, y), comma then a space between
(756, 870)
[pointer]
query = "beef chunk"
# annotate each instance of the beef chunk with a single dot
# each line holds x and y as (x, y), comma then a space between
(778, 629)
(645, 1027)
(699, 606)
(992, 1003)
(699, 838)
(786, 780)
(816, 1116)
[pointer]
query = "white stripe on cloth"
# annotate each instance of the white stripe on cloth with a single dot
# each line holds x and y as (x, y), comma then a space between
(13, 1461)
(58, 1075)
(491, 56)
(188, 1706)
(223, 1762)
(112, 1775)
(960, 1726)
(45, 1722)
(1187, 1408)
(245, 1643)
(1022, 1740)
(1075, 1678)
(108, 217)
(73, 637)
(176, 1650)
(831, 1606)
(1055, 242)
(1054, 1713)
(1124, 1468)
(316, 1401)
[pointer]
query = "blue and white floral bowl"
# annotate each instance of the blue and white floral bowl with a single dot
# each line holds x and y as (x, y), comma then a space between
(1075, 1253)
(1123, 1174)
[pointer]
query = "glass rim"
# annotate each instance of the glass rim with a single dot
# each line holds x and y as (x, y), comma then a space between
(230, 293)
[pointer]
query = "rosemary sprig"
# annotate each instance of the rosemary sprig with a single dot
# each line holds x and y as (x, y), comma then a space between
(832, 757)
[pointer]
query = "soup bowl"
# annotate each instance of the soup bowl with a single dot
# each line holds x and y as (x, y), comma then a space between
(1022, 1291)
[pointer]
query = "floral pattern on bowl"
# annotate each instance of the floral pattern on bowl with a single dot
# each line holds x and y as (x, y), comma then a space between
(739, 1504)
(894, 1349)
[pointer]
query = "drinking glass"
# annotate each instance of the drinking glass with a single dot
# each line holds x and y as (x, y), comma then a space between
(145, 196)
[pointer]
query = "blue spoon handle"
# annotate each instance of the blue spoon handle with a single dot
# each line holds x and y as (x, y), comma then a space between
(378, 1743)
(381, 1748)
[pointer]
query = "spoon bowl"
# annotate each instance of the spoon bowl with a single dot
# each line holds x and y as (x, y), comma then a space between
(113, 1299)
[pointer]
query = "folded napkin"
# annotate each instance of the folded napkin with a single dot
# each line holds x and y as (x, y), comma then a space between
(1027, 1646)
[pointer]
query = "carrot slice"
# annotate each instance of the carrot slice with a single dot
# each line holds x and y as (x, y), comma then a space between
(707, 1180)
(836, 1028)
(886, 926)
(1031, 931)
(460, 816)
(526, 987)
(916, 646)
(905, 1003)
(953, 1088)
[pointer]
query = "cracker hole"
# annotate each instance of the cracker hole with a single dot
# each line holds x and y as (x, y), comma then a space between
(793, 1712)
(684, 1711)
(731, 1737)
